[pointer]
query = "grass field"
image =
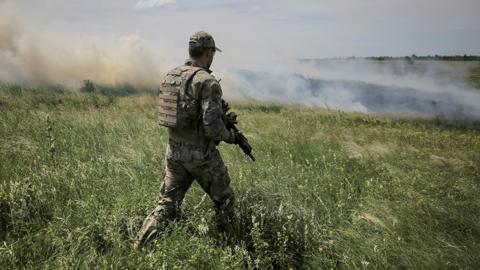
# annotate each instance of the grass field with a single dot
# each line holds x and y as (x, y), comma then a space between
(329, 190)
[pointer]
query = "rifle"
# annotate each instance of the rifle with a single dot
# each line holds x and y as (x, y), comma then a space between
(230, 120)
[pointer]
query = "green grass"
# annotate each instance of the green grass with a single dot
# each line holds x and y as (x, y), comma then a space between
(328, 190)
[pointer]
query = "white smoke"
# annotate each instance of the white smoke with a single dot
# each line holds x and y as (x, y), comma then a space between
(424, 88)
(32, 57)
(434, 89)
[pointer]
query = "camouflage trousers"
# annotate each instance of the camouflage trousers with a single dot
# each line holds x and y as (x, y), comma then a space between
(184, 165)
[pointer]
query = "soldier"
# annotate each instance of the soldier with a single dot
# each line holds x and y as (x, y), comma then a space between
(191, 108)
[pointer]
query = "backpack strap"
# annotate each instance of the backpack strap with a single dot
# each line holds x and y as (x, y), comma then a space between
(188, 75)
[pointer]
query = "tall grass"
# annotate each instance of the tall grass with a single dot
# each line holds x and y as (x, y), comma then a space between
(328, 190)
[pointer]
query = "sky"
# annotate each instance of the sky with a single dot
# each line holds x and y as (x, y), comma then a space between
(249, 30)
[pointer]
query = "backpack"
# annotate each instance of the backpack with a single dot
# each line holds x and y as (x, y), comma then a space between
(177, 108)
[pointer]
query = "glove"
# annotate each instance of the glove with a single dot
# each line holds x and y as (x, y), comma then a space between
(231, 118)
(225, 106)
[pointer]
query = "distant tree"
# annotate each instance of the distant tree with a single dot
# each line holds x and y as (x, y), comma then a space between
(409, 59)
(88, 87)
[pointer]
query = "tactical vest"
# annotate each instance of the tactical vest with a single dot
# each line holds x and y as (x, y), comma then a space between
(177, 108)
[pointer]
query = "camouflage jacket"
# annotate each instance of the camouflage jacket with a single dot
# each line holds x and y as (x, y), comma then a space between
(210, 127)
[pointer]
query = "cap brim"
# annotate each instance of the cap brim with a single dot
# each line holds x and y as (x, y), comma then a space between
(217, 49)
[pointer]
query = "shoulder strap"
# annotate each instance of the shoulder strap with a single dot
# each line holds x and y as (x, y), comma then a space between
(189, 74)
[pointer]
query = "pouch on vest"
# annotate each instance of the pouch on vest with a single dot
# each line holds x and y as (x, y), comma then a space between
(175, 107)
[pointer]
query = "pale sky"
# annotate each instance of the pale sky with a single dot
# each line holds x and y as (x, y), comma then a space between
(270, 28)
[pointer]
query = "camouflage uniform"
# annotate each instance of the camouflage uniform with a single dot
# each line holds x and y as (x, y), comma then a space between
(192, 155)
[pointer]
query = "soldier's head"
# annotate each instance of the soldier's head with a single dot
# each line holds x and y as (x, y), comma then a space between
(201, 48)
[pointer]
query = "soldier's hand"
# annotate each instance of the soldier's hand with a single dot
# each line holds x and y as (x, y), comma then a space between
(231, 118)
(225, 106)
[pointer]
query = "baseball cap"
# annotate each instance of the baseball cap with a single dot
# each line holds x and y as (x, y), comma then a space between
(202, 39)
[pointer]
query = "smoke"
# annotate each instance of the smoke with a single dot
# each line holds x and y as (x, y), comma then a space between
(424, 88)
(32, 57)
(29, 56)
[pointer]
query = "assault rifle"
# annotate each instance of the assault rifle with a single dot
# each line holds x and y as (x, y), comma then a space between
(230, 120)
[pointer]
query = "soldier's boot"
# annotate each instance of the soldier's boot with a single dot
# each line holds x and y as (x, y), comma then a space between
(148, 232)
(153, 225)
